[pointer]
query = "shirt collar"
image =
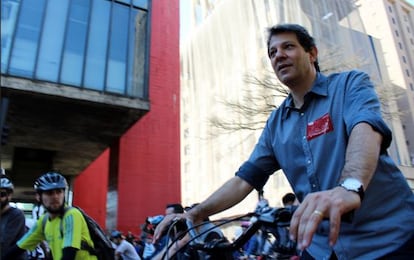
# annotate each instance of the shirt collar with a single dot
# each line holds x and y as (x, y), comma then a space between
(318, 88)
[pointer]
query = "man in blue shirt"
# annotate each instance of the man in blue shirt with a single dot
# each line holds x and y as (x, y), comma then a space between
(330, 140)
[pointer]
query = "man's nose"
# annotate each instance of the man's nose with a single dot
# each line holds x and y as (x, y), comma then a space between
(280, 54)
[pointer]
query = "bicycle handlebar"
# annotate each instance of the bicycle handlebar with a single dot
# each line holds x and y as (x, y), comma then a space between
(265, 218)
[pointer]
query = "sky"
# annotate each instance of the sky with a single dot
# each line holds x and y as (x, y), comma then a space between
(411, 1)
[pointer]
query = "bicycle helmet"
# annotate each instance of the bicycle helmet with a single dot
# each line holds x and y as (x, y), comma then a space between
(5, 183)
(50, 181)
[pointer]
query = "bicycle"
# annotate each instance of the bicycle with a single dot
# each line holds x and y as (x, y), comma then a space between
(269, 220)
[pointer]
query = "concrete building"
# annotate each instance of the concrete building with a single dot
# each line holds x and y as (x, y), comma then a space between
(226, 47)
(392, 23)
(91, 88)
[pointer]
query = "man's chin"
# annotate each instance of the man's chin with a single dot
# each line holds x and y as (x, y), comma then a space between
(54, 210)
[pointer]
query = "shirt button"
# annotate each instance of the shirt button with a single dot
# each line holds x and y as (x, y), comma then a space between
(313, 185)
(304, 137)
(309, 161)
(302, 114)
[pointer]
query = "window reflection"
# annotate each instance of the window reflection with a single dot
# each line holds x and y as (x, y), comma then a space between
(51, 44)
(24, 51)
(9, 11)
(136, 64)
(72, 65)
(94, 44)
(97, 45)
(118, 47)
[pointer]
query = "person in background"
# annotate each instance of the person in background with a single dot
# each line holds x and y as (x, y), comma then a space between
(38, 210)
(124, 250)
(330, 141)
(12, 220)
(67, 243)
(288, 199)
(174, 208)
(149, 248)
(42, 251)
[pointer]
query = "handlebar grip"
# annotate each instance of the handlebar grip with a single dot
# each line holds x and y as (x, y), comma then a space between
(215, 244)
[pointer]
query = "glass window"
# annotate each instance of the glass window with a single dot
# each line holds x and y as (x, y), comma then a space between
(51, 43)
(140, 3)
(74, 51)
(23, 56)
(118, 47)
(97, 45)
(101, 47)
(9, 11)
(137, 53)
(124, 1)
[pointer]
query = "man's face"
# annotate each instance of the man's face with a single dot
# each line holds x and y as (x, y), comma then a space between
(5, 198)
(116, 240)
(53, 200)
(291, 63)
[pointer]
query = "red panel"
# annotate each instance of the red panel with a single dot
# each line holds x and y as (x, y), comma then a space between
(149, 153)
(149, 160)
(90, 188)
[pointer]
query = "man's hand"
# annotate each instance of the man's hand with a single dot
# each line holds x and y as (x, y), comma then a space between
(162, 228)
(164, 224)
(330, 204)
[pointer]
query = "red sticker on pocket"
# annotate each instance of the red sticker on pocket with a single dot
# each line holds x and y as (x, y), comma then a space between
(319, 127)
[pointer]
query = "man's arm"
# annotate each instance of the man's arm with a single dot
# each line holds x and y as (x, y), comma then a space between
(228, 195)
(360, 162)
(362, 154)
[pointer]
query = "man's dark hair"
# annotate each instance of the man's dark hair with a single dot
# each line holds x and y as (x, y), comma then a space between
(178, 208)
(288, 198)
(303, 36)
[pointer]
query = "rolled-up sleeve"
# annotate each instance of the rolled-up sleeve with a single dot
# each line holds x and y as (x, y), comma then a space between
(362, 105)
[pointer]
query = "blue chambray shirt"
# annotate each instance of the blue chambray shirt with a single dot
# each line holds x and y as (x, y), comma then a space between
(313, 163)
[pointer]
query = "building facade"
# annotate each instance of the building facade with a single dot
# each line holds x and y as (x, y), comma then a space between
(391, 23)
(91, 88)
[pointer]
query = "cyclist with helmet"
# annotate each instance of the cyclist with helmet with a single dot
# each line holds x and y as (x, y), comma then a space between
(12, 221)
(64, 230)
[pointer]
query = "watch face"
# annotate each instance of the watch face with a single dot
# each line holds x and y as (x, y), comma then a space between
(352, 184)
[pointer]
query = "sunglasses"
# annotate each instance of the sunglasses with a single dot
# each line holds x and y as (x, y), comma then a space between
(4, 194)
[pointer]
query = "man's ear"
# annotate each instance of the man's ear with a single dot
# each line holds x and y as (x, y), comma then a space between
(313, 54)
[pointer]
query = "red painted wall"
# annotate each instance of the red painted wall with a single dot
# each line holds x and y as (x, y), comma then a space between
(149, 159)
(90, 188)
(149, 152)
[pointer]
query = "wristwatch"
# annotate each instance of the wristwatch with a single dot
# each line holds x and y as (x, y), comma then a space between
(352, 184)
